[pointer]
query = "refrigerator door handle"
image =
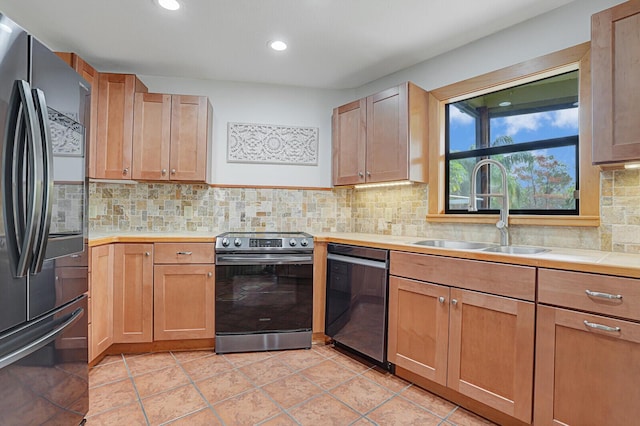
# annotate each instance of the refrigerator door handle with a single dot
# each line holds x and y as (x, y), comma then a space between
(64, 323)
(22, 226)
(47, 164)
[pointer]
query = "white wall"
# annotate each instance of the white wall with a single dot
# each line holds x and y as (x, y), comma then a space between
(556, 30)
(264, 104)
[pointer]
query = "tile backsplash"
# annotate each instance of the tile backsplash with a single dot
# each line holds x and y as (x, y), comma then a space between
(155, 207)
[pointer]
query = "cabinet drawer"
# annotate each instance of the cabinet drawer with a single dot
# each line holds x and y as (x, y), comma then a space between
(172, 253)
(601, 294)
(74, 260)
(497, 278)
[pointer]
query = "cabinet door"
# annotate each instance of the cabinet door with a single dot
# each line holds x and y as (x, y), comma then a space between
(387, 142)
(101, 291)
(491, 351)
(189, 138)
(151, 136)
(349, 133)
(133, 293)
(615, 55)
(89, 73)
(419, 327)
(586, 375)
(114, 136)
(183, 298)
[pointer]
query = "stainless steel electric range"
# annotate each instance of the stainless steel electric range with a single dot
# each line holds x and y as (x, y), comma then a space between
(264, 291)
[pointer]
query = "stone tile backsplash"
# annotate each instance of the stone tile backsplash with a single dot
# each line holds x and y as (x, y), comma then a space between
(149, 207)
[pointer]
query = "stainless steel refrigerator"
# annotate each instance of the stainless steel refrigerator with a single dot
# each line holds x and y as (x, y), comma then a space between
(43, 303)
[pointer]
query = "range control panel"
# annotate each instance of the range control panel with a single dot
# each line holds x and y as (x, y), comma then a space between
(264, 241)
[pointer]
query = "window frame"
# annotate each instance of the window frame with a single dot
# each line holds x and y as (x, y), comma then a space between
(574, 58)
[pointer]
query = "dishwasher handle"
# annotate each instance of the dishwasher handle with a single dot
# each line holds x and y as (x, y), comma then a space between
(357, 260)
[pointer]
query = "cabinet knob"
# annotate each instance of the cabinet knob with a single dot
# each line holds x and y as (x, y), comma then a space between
(164, 172)
(368, 173)
(146, 253)
(360, 174)
(454, 302)
(210, 274)
(441, 299)
(173, 171)
(125, 171)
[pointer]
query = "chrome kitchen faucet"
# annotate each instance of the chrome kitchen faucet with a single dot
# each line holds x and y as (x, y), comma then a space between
(503, 222)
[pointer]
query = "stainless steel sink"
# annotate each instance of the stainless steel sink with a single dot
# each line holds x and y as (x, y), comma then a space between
(515, 250)
(453, 244)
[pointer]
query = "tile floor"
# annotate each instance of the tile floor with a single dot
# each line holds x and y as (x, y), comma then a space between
(320, 386)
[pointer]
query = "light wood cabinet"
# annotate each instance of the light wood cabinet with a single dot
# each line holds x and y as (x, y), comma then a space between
(381, 138)
(172, 137)
(479, 345)
(183, 291)
(133, 293)
(114, 130)
(90, 74)
(587, 363)
(101, 292)
(615, 54)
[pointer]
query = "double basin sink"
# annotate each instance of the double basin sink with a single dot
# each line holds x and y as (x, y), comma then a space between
(487, 247)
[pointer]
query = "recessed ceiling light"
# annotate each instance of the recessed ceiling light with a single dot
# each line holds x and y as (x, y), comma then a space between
(278, 45)
(504, 103)
(169, 4)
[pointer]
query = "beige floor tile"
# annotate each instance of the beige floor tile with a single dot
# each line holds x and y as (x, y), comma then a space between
(291, 390)
(170, 405)
(208, 366)
(130, 414)
(107, 373)
(247, 408)
(399, 411)
(462, 417)
(149, 362)
(224, 385)
(184, 356)
(386, 379)
(300, 359)
(361, 394)
(426, 399)
(266, 371)
(111, 395)
(280, 420)
(323, 410)
(328, 374)
(246, 358)
(203, 417)
(328, 351)
(160, 380)
(109, 359)
(352, 362)
(362, 422)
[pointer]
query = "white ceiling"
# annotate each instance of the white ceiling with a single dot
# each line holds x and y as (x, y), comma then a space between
(332, 43)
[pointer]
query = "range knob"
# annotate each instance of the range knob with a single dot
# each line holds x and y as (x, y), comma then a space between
(225, 242)
(304, 242)
(293, 242)
(237, 242)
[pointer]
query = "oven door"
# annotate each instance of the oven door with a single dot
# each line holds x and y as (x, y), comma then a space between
(263, 293)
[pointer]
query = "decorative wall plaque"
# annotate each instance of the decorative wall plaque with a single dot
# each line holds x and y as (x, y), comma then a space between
(67, 136)
(272, 144)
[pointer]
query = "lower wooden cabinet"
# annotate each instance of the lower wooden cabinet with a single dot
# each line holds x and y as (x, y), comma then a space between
(133, 293)
(101, 292)
(184, 300)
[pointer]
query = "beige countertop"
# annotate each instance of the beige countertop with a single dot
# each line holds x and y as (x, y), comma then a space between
(623, 264)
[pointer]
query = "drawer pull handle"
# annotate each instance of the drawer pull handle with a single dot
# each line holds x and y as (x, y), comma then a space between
(602, 327)
(185, 253)
(603, 295)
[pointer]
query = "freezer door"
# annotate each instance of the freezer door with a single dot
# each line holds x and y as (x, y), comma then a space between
(13, 67)
(44, 370)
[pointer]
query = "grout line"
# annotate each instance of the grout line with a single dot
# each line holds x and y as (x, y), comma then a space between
(135, 388)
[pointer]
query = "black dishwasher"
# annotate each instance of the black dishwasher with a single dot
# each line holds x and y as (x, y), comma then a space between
(356, 306)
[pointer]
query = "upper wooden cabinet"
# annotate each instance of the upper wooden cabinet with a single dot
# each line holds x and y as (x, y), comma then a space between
(171, 137)
(114, 138)
(615, 55)
(381, 138)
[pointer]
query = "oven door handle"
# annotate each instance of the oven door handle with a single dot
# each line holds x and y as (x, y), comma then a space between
(270, 259)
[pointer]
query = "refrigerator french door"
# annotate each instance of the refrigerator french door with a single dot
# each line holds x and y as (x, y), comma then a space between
(43, 318)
